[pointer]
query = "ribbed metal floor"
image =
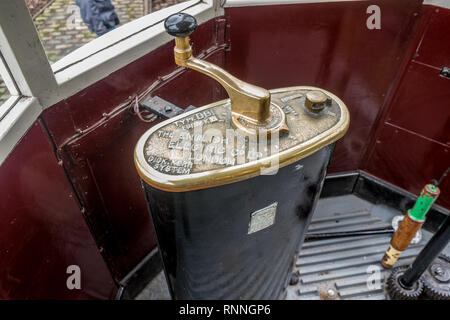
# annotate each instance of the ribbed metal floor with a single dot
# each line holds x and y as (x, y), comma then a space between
(346, 268)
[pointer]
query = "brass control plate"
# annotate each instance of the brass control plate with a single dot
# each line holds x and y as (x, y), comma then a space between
(201, 148)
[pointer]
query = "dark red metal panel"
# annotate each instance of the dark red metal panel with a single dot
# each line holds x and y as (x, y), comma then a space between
(422, 104)
(410, 161)
(412, 144)
(326, 45)
(434, 48)
(42, 230)
(85, 108)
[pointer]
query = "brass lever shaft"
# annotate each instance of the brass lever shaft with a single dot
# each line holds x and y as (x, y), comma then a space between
(251, 109)
(246, 99)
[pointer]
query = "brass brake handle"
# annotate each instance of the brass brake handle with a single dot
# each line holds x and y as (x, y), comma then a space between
(247, 100)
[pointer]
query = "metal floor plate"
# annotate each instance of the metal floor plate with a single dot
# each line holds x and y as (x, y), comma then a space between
(347, 268)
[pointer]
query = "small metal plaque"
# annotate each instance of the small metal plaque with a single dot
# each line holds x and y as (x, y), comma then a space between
(262, 218)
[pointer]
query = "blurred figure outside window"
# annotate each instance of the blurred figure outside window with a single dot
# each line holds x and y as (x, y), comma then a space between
(99, 15)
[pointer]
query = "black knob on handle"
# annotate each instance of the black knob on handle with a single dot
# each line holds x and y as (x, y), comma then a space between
(180, 24)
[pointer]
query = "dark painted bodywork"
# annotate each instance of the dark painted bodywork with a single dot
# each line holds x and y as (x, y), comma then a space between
(388, 78)
(42, 232)
(203, 240)
(411, 143)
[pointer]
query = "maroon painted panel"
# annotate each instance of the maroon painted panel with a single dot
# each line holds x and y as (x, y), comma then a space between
(42, 231)
(435, 46)
(412, 143)
(85, 108)
(326, 45)
(422, 103)
(409, 161)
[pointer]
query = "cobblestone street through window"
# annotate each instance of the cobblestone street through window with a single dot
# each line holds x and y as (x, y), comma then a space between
(62, 30)
(4, 93)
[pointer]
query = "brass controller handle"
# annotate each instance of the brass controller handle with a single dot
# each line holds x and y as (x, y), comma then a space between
(251, 107)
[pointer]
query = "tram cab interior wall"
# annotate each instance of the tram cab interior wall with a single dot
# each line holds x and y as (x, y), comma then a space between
(70, 192)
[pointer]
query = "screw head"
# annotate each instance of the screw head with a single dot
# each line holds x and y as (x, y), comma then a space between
(294, 279)
(331, 293)
(438, 270)
(445, 72)
(440, 273)
(167, 108)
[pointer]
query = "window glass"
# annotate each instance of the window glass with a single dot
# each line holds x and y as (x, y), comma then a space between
(65, 25)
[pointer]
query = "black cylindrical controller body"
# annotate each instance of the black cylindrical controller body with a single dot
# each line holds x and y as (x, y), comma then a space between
(228, 242)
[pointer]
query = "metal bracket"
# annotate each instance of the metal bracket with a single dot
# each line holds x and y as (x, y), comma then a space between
(445, 72)
(163, 108)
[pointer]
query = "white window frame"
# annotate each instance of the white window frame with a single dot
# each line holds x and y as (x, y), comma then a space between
(35, 85)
